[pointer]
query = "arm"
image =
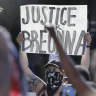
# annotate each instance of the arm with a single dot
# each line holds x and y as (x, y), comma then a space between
(23, 56)
(93, 66)
(5, 74)
(35, 83)
(85, 60)
(68, 64)
(24, 63)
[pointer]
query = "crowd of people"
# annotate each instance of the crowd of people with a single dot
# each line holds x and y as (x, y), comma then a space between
(62, 76)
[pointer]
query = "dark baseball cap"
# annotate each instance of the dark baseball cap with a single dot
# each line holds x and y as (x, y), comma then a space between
(54, 63)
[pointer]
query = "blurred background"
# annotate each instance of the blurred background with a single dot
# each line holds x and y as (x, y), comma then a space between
(10, 18)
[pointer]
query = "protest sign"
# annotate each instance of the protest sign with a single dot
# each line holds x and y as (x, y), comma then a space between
(70, 23)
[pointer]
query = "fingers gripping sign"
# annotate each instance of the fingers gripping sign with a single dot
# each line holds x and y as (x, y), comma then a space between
(87, 38)
(20, 38)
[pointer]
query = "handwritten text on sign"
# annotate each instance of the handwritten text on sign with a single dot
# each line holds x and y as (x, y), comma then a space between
(70, 22)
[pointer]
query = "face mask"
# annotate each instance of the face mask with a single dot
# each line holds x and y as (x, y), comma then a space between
(54, 81)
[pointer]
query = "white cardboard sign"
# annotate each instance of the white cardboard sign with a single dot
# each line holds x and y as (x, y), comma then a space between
(70, 23)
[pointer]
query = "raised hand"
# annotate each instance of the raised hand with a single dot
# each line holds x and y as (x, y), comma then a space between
(51, 30)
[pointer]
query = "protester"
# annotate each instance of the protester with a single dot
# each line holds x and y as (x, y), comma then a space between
(56, 81)
(11, 75)
(5, 69)
(74, 77)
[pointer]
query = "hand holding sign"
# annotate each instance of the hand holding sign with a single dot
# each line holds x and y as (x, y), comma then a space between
(19, 38)
(87, 38)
